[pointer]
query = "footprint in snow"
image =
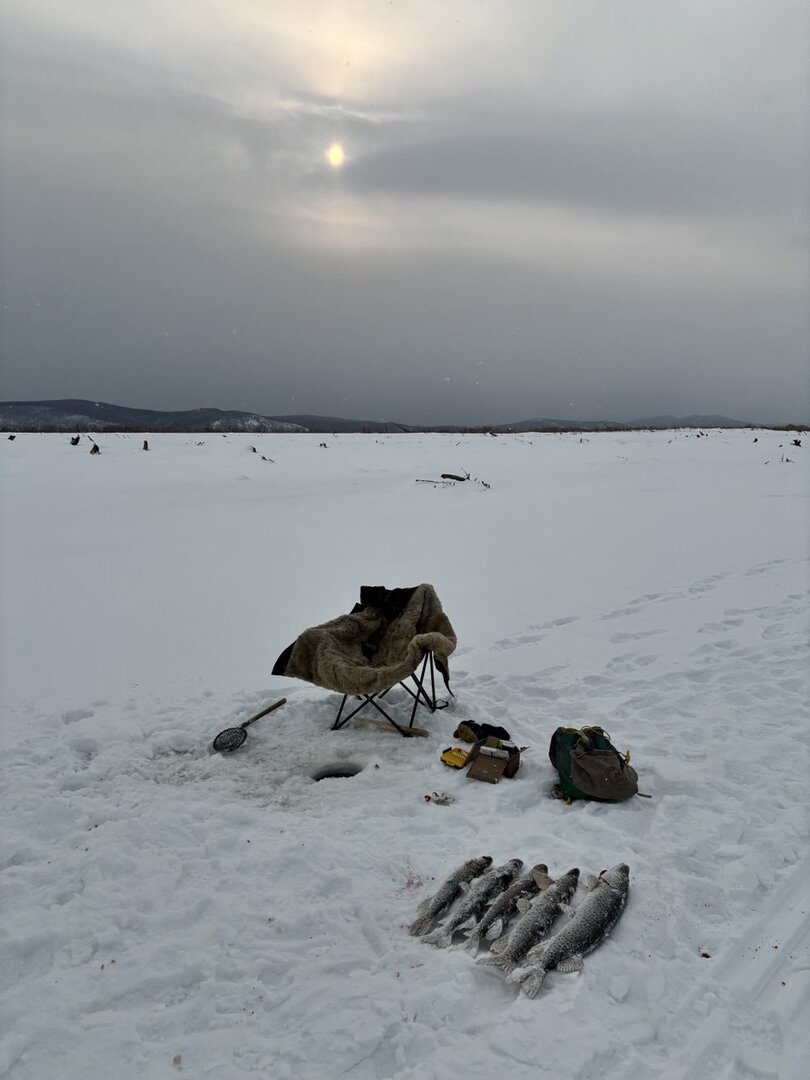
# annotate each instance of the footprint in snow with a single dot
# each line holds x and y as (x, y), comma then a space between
(73, 716)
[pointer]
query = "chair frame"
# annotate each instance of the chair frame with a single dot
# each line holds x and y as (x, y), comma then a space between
(420, 697)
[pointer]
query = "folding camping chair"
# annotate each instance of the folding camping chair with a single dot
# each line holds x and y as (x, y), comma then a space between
(420, 697)
(393, 636)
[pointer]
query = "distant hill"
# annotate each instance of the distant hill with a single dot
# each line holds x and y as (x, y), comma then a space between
(94, 416)
(699, 421)
(547, 424)
(73, 415)
(336, 423)
(655, 422)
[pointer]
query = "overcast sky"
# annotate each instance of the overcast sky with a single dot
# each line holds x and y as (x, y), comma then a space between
(559, 208)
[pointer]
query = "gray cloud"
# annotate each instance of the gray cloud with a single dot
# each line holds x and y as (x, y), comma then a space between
(638, 162)
(569, 238)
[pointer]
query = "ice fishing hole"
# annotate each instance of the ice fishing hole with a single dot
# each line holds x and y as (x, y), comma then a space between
(337, 770)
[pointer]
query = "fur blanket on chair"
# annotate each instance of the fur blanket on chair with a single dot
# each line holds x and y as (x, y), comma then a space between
(380, 643)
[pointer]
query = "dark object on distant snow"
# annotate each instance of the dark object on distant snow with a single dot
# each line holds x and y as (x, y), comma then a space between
(797, 442)
(75, 440)
(95, 449)
(590, 766)
(451, 479)
(11, 438)
(233, 737)
(145, 444)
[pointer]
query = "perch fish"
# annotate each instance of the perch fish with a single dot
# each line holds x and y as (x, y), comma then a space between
(476, 898)
(538, 918)
(589, 926)
(492, 923)
(432, 907)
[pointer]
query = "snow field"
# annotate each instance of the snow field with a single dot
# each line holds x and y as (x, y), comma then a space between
(172, 912)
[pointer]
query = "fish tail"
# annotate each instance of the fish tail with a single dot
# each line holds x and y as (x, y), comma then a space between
(502, 963)
(500, 945)
(530, 984)
(472, 943)
(421, 925)
(440, 937)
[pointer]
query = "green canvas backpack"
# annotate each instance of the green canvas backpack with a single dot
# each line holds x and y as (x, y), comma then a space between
(590, 766)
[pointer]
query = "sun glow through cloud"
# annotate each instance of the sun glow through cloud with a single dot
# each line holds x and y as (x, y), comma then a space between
(335, 155)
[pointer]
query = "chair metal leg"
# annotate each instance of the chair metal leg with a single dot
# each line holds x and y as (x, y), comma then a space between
(337, 724)
(340, 723)
(420, 697)
(368, 699)
(390, 719)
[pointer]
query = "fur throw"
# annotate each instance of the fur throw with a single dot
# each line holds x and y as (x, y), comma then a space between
(380, 643)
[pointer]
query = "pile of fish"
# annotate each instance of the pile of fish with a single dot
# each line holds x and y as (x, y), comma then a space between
(491, 895)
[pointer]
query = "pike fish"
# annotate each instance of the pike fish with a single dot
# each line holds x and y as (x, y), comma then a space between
(491, 925)
(476, 897)
(590, 924)
(538, 918)
(433, 907)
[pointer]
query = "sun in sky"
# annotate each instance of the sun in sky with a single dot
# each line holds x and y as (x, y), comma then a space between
(335, 155)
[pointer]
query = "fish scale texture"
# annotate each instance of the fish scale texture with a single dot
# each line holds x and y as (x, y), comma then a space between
(533, 924)
(589, 926)
(481, 892)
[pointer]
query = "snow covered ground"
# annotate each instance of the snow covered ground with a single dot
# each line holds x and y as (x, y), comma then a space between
(169, 912)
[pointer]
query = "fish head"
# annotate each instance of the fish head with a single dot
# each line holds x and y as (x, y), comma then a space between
(484, 861)
(570, 877)
(539, 868)
(617, 877)
(514, 866)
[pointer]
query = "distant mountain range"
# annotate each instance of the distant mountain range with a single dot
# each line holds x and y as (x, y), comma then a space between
(74, 415)
(95, 416)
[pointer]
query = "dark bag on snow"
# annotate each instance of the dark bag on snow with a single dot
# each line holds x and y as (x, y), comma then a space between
(590, 766)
